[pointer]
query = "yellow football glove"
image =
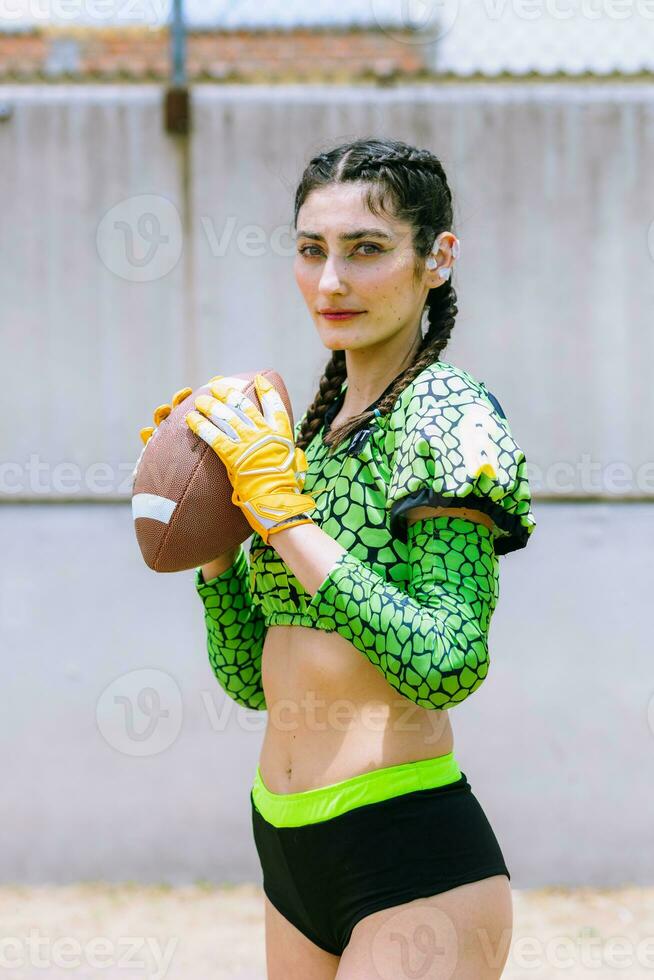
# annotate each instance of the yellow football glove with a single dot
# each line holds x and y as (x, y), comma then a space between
(267, 470)
(160, 413)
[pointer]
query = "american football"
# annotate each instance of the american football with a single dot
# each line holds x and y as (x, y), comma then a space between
(181, 493)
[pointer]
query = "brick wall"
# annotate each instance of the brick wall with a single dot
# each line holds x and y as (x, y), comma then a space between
(138, 54)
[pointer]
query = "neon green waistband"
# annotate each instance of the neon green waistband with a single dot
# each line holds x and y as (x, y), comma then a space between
(325, 802)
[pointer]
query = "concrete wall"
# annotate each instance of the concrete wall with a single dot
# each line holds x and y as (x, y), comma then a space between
(134, 264)
(99, 782)
(128, 271)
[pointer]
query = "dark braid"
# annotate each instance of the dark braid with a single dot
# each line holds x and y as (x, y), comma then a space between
(416, 184)
(410, 157)
(328, 389)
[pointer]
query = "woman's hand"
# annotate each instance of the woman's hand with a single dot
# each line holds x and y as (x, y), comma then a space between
(162, 412)
(267, 470)
(159, 415)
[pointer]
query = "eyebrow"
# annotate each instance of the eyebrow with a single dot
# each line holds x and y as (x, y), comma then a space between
(348, 236)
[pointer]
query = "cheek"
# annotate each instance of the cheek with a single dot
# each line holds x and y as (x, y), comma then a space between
(304, 278)
(393, 286)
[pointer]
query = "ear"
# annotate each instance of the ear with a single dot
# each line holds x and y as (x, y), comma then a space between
(442, 256)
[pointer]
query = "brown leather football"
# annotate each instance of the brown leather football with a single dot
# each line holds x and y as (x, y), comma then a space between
(181, 494)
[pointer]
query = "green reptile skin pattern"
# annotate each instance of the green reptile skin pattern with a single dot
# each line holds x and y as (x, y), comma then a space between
(235, 633)
(416, 601)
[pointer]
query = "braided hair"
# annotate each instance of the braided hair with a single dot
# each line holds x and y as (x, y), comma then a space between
(410, 184)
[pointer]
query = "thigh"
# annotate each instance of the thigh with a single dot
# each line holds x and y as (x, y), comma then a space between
(463, 933)
(290, 955)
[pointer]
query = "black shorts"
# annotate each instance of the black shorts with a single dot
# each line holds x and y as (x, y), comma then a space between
(326, 876)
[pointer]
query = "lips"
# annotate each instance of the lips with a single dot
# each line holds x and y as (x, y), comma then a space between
(340, 314)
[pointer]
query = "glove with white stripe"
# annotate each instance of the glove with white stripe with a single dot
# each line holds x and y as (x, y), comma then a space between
(267, 470)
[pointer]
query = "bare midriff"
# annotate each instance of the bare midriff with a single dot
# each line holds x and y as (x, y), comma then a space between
(332, 714)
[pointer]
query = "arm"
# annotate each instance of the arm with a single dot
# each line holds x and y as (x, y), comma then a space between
(235, 631)
(453, 449)
(219, 564)
(431, 642)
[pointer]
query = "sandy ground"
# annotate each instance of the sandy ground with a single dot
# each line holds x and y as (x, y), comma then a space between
(207, 933)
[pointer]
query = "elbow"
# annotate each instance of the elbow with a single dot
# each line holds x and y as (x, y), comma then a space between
(259, 704)
(450, 673)
(246, 693)
(240, 681)
(470, 662)
(254, 699)
(247, 690)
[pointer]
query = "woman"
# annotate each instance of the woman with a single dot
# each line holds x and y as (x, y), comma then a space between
(373, 576)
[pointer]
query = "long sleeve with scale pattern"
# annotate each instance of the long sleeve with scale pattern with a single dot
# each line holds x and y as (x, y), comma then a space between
(454, 448)
(235, 633)
(430, 642)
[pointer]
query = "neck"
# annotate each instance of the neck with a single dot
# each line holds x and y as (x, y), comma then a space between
(371, 369)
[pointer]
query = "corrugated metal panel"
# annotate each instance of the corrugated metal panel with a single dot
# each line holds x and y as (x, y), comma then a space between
(129, 270)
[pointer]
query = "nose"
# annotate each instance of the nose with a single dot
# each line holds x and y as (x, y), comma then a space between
(331, 280)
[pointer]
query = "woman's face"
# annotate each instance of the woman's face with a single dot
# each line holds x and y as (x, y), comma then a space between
(372, 273)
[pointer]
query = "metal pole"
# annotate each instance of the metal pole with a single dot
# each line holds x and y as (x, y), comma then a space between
(177, 102)
(178, 40)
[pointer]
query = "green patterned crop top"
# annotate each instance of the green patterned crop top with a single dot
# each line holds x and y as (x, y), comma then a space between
(426, 452)
(406, 597)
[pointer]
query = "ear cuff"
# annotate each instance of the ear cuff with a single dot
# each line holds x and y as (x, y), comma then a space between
(431, 262)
